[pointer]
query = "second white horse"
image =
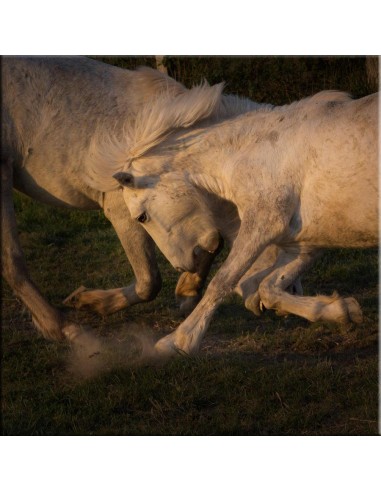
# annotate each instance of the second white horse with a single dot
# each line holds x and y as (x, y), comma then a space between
(303, 177)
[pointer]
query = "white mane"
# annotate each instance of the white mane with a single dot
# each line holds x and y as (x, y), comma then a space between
(147, 83)
(108, 154)
(232, 106)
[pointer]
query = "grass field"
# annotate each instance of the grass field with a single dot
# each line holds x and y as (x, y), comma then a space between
(253, 376)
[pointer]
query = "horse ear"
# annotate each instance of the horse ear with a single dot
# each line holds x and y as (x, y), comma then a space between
(125, 179)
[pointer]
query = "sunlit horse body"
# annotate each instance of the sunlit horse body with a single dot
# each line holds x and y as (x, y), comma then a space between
(303, 177)
(55, 114)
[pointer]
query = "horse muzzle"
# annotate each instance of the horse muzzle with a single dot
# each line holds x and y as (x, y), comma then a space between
(209, 242)
(207, 249)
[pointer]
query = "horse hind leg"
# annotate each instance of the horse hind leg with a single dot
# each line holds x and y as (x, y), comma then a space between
(272, 292)
(48, 320)
(190, 285)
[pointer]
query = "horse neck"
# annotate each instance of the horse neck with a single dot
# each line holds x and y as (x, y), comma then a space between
(206, 168)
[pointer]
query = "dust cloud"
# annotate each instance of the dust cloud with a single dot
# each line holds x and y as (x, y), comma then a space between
(128, 345)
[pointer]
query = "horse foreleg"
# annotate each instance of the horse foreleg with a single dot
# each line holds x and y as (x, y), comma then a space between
(140, 251)
(291, 265)
(246, 248)
(189, 286)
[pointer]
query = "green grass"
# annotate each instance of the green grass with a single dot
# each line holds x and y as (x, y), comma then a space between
(253, 376)
(226, 395)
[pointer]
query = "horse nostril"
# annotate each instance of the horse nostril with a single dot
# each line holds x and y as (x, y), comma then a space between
(197, 251)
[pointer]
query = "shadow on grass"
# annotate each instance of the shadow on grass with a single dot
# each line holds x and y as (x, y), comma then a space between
(259, 382)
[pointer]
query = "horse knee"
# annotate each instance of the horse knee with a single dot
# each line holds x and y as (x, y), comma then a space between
(267, 295)
(148, 289)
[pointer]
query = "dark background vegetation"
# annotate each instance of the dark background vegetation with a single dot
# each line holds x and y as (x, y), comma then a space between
(278, 80)
(253, 376)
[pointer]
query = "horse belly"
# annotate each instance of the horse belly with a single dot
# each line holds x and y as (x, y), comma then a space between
(341, 221)
(53, 185)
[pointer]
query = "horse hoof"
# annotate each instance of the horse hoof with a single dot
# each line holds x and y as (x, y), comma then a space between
(72, 331)
(83, 341)
(253, 304)
(72, 299)
(354, 310)
(167, 349)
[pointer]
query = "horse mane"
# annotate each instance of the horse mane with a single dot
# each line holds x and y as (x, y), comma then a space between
(329, 96)
(231, 106)
(155, 120)
(147, 83)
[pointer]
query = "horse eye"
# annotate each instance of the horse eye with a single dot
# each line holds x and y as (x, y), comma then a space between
(142, 218)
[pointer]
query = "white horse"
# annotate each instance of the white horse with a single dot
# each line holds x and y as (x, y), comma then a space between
(56, 114)
(303, 177)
